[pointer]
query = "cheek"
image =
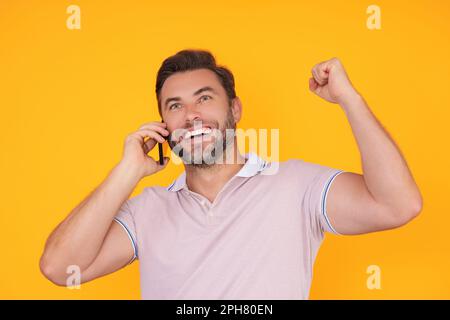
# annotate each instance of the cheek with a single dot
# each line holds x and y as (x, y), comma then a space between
(219, 111)
(219, 118)
(174, 121)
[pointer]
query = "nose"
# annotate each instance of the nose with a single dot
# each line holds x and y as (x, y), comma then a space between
(192, 114)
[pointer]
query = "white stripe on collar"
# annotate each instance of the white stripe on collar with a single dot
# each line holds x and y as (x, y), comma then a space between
(252, 166)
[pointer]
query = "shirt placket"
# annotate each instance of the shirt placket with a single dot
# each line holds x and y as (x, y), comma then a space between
(211, 208)
(208, 208)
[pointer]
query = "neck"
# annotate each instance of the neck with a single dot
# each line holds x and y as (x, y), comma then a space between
(209, 180)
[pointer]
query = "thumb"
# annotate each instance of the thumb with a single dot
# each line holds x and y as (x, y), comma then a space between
(313, 85)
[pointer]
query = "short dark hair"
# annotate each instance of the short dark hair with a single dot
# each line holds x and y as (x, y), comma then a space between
(188, 60)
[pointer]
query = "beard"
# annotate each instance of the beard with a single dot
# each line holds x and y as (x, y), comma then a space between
(214, 153)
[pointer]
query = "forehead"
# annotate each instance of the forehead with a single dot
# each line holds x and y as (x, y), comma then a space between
(186, 83)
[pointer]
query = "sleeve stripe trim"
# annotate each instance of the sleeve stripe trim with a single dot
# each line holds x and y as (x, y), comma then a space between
(133, 243)
(324, 200)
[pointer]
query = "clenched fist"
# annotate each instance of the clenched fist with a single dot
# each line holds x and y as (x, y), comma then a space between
(330, 82)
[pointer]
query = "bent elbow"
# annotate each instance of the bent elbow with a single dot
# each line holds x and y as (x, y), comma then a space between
(411, 212)
(50, 272)
(416, 206)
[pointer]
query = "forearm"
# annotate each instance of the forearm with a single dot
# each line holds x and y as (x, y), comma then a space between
(78, 239)
(385, 170)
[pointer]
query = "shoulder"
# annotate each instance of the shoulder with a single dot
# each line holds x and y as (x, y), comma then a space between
(306, 168)
(306, 172)
(296, 167)
(147, 196)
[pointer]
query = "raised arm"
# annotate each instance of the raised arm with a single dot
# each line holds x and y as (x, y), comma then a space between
(385, 196)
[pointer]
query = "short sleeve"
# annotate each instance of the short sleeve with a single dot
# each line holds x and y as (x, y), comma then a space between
(125, 218)
(318, 179)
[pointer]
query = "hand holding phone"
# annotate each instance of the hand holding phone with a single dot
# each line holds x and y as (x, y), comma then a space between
(136, 148)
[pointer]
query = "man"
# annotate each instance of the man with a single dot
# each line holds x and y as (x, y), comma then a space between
(229, 230)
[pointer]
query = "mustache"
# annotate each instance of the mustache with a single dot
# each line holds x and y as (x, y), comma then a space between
(199, 124)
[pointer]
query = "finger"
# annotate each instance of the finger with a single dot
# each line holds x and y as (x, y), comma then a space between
(161, 130)
(158, 123)
(319, 79)
(316, 77)
(313, 84)
(154, 135)
(323, 71)
(159, 126)
(142, 134)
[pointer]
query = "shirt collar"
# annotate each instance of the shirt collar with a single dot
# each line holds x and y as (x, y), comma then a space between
(252, 167)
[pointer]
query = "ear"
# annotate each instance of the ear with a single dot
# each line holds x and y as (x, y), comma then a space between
(236, 109)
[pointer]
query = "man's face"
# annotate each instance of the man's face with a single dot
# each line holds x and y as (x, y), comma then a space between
(196, 102)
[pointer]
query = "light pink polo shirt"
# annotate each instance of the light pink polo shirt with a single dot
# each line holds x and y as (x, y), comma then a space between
(257, 240)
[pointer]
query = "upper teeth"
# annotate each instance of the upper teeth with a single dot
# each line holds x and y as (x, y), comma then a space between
(197, 132)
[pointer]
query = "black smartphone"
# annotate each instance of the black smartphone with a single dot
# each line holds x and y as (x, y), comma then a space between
(161, 152)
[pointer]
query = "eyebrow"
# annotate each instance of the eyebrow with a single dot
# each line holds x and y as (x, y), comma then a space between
(195, 94)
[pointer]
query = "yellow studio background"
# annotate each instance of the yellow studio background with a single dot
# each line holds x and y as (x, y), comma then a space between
(69, 97)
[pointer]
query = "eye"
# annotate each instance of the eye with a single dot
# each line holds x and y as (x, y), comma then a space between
(201, 98)
(173, 105)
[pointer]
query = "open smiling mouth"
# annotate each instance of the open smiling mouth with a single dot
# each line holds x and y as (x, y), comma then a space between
(197, 133)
